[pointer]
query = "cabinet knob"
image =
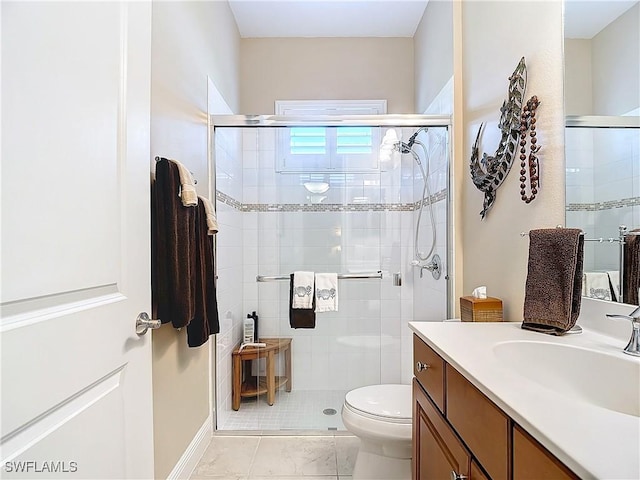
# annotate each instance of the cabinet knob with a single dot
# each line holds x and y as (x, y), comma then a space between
(421, 366)
(457, 476)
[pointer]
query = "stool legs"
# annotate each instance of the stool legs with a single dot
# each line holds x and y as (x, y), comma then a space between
(237, 382)
(271, 379)
(287, 367)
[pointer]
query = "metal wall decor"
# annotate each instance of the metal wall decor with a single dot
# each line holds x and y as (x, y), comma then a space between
(490, 171)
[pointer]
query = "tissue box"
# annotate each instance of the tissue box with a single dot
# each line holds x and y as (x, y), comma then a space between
(480, 309)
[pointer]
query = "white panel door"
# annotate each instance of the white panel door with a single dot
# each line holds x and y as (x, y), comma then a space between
(76, 379)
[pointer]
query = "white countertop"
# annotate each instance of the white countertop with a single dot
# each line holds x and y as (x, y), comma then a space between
(592, 441)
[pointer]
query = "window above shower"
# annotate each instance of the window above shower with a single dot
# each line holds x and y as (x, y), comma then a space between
(328, 149)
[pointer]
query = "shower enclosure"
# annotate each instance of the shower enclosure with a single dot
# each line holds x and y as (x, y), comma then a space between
(320, 194)
(603, 194)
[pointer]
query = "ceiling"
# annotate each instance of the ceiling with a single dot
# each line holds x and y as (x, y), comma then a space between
(585, 18)
(327, 18)
(384, 18)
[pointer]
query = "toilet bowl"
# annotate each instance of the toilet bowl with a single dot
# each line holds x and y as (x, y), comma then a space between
(380, 416)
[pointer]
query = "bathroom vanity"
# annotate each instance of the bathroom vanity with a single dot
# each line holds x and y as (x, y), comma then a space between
(493, 401)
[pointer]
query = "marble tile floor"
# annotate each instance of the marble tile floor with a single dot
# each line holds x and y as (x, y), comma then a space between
(295, 410)
(278, 457)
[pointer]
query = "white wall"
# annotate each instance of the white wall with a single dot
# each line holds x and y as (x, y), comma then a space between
(493, 37)
(433, 53)
(231, 261)
(326, 69)
(578, 88)
(616, 71)
(602, 74)
(191, 41)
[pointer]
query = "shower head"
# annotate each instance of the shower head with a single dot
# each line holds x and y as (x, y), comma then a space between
(391, 143)
(412, 138)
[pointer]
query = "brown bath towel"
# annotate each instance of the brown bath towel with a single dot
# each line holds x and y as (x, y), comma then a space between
(631, 275)
(205, 321)
(554, 280)
(301, 317)
(173, 249)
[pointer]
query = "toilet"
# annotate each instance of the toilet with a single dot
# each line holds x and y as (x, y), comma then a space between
(380, 416)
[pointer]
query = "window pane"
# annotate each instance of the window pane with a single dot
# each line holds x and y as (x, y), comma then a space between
(353, 140)
(307, 140)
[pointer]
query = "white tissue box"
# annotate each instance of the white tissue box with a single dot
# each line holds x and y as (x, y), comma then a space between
(480, 309)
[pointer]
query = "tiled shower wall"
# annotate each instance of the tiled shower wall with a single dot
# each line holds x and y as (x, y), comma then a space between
(365, 224)
(603, 188)
(230, 260)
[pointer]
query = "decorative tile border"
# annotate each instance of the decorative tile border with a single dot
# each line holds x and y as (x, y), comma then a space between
(598, 206)
(226, 199)
(326, 207)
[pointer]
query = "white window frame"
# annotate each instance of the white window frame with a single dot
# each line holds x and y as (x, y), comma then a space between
(288, 162)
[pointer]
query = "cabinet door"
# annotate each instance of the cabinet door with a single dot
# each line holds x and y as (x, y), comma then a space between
(476, 472)
(437, 452)
(531, 461)
(481, 424)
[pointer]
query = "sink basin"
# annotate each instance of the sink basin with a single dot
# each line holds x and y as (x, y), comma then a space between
(586, 375)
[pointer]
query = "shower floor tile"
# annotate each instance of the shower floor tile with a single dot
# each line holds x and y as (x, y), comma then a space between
(295, 410)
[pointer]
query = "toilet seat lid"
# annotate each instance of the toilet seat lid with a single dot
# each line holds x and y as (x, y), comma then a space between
(388, 402)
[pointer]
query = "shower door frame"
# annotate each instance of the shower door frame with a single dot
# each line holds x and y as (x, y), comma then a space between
(383, 120)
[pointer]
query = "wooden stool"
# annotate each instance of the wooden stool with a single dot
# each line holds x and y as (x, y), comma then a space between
(245, 385)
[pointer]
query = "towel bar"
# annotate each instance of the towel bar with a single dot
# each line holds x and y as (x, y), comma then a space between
(195, 182)
(349, 276)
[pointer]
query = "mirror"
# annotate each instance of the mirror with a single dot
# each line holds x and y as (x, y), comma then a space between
(602, 138)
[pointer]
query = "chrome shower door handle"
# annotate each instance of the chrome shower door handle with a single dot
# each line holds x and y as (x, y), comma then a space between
(144, 323)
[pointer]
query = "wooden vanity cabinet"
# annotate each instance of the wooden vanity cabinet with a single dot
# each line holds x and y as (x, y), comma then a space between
(484, 427)
(428, 368)
(438, 453)
(531, 461)
(459, 433)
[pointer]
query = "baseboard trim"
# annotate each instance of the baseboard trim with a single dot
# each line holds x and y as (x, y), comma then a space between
(191, 456)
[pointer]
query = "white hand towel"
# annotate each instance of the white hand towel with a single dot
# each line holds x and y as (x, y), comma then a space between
(212, 220)
(326, 292)
(302, 290)
(596, 285)
(187, 186)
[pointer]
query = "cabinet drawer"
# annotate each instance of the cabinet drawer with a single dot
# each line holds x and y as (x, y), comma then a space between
(482, 425)
(531, 461)
(432, 377)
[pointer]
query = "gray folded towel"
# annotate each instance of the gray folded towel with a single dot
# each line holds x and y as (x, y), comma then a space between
(554, 280)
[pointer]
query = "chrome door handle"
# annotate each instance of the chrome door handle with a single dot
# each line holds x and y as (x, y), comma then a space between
(421, 366)
(144, 323)
(457, 476)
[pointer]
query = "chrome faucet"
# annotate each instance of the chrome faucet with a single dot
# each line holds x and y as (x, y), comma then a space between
(633, 347)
